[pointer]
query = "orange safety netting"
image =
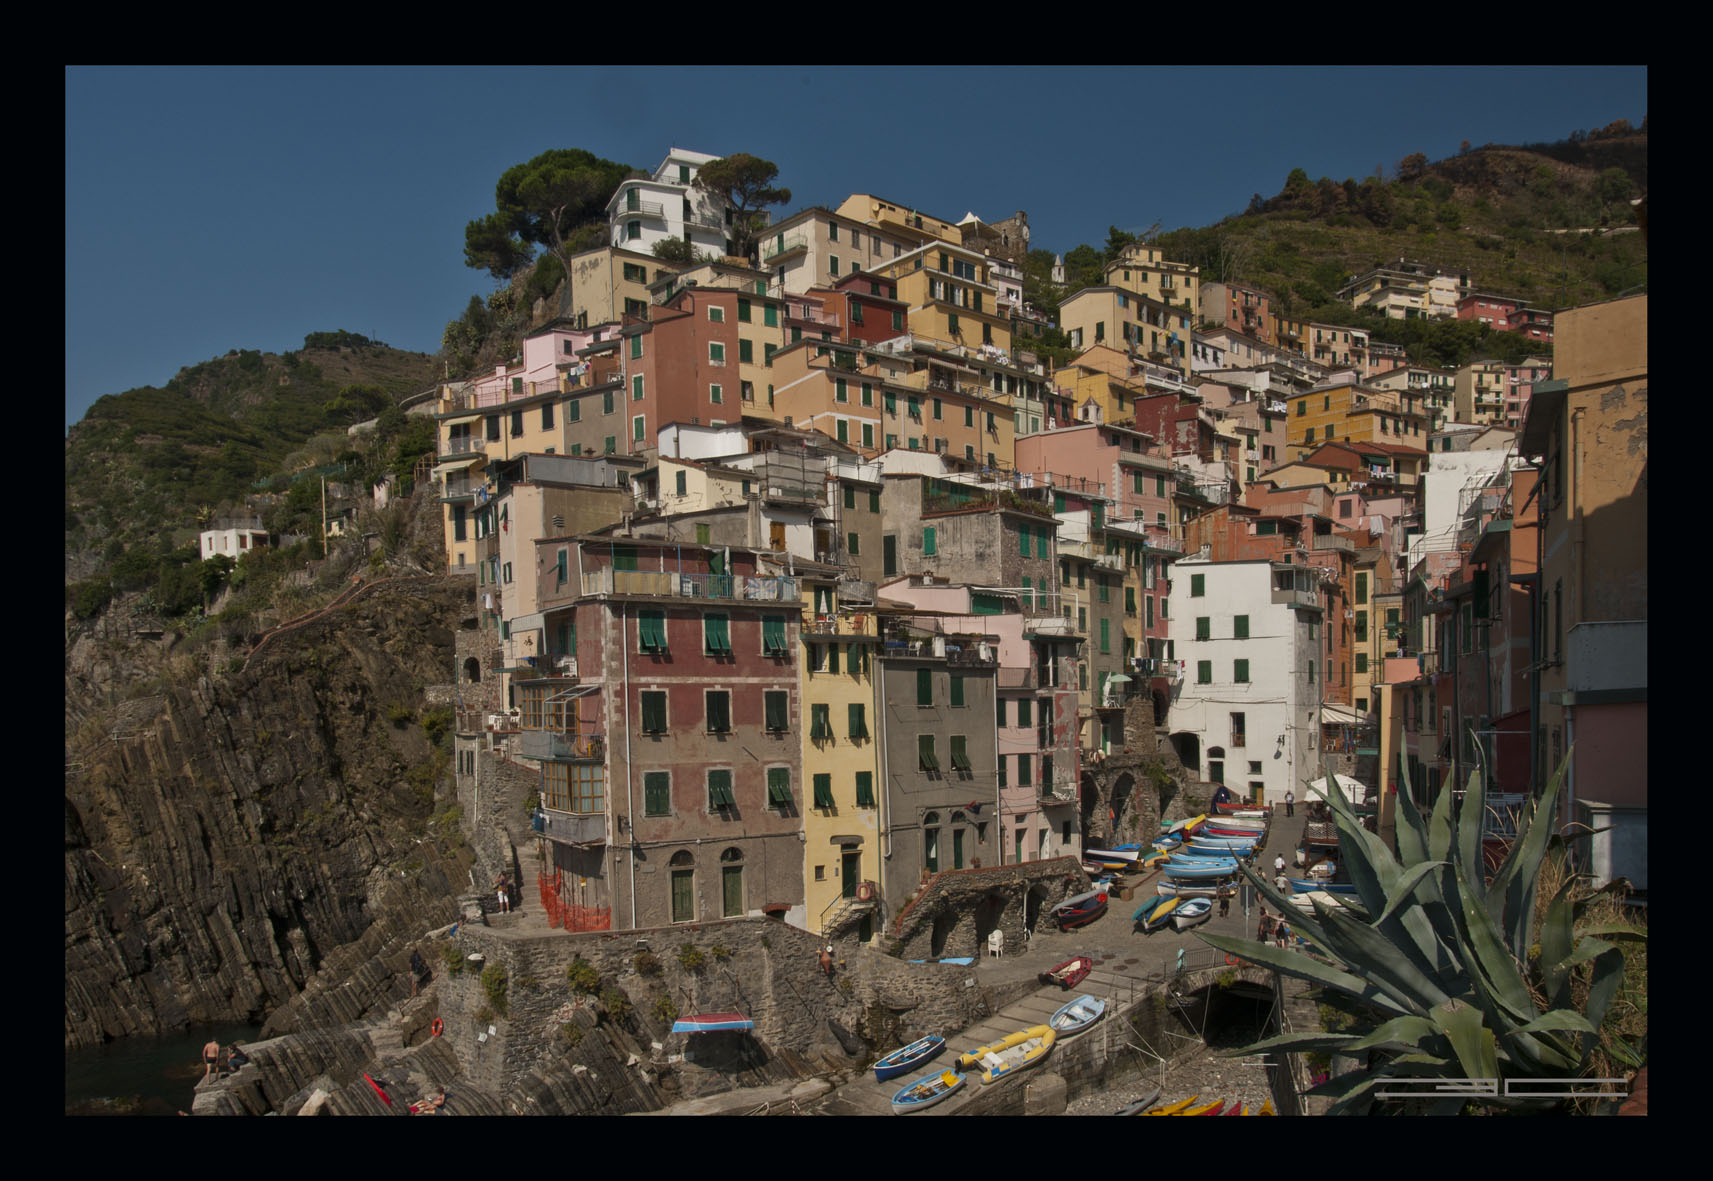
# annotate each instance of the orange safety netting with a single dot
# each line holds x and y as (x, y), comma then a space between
(568, 916)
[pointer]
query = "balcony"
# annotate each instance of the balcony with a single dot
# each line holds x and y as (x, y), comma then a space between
(811, 315)
(779, 249)
(639, 208)
(550, 744)
(1325, 541)
(971, 655)
(1017, 678)
(464, 445)
(854, 626)
(668, 584)
(575, 828)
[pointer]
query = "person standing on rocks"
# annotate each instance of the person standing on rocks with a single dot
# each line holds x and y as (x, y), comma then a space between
(210, 1059)
(502, 887)
(827, 959)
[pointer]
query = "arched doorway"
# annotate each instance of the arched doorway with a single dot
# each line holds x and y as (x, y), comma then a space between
(472, 671)
(944, 923)
(988, 913)
(931, 843)
(1034, 902)
(731, 883)
(683, 871)
(1216, 764)
(1188, 748)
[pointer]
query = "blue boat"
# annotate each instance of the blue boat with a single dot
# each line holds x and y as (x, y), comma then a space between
(909, 1057)
(1213, 869)
(1213, 851)
(712, 1023)
(1077, 1015)
(925, 1092)
(1154, 913)
(1306, 885)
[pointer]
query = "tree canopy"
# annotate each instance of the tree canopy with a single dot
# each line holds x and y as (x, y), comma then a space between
(746, 182)
(555, 201)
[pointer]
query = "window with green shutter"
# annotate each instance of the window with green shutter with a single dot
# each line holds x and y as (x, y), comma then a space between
(719, 706)
(1023, 541)
(716, 635)
(770, 315)
(1198, 585)
(636, 346)
(1025, 771)
(823, 791)
(856, 659)
(841, 430)
(858, 722)
(1105, 641)
(840, 393)
(1240, 627)
(1204, 627)
(1240, 671)
(1362, 627)
(868, 435)
(1024, 712)
(889, 555)
(680, 483)
(1362, 588)
(1129, 600)
(924, 686)
(1362, 662)
(653, 629)
(777, 707)
(639, 425)
(746, 351)
(851, 544)
(926, 759)
(560, 566)
(653, 713)
(820, 727)
(720, 791)
(779, 787)
(928, 549)
(865, 789)
(1204, 672)
(773, 634)
(636, 388)
(743, 311)
(957, 686)
(657, 793)
(832, 658)
(704, 534)
(960, 756)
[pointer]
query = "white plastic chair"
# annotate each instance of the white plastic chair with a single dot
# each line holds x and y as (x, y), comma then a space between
(996, 943)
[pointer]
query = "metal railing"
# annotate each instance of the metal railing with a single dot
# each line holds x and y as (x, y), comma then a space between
(464, 445)
(644, 208)
(673, 584)
(776, 248)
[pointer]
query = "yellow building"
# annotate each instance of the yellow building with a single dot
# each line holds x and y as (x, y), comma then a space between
(610, 283)
(1130, 321)
(841, 830)
(910, 224)
(947, 291)
(1143, 269)
(1351, 413)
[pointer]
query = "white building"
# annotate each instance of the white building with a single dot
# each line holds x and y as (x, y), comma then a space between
(233, 539)
(1246, 704)
(646, 210)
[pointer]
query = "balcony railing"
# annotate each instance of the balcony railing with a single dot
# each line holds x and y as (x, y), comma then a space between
(1329, 541)
(776, 249)
(643, 209)
(971, 655)
(1017, 678)
(464, 445)
(811, 315)
(670, 584)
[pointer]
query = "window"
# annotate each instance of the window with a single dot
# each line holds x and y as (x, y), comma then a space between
(865, 789)
(959, 755)
(957, 688)
(779, 787)
(639, 426)
(720, 790)
(926, 758)
(657, 793)
(1240, 674)
(858, 721)
(1025, 771)
(1204, 627)
(1198, 585)
(633, 230)
(680, 482)
(823, 791)
(1204, 672)
(719, 707)
(832, 264)
(746, 351)
(773, 635)
(653, 712)
(716, 635)
(1240, 627)
(851, 544)
(1105, 643)
(776, 703)
(821, 726)
(928, 549)
(924, 686)
(716, 353)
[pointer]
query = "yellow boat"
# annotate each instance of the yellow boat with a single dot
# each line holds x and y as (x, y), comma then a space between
(1006, 1057)
(1173, 1108)
(1266, 1109)
(1204, 1109)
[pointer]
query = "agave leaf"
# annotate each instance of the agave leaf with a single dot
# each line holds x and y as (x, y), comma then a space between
(1470, 1039)
(1411, 829)
(1556, 941)
(1493, 970)
(1404, 888)
(1470, 818)
(1608, 975)
(1623, 1052)
(1537, 1053)
(1370, 954)
(1518, 876)
(1320, 1043)
(1616, 930)
(1439, 828)
(1301, 967)
(1560, 1019)
(1357, 1090)
(1586, 949)
(1399, 1032)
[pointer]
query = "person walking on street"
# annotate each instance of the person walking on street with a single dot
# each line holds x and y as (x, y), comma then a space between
(1224, 904)
(1279, 863)
(1264, 930)
(1290, 801)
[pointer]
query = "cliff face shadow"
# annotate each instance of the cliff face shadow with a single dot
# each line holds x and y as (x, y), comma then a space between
(727, 1051)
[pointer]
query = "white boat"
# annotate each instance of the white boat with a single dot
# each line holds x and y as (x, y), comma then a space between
(1196, 910)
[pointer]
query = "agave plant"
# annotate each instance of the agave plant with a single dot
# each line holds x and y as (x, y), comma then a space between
(1441, 965)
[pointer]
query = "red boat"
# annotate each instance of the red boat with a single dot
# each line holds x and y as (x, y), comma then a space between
(1070, 973)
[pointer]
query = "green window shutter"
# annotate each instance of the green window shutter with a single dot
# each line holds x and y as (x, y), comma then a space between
(891, 402)
(1362, 588)
(770, 316)
(560, 567)
(867, 394)
(636, 388)
(680, 483)
(1362, 662)
(868, 434)
(743, 311)
(624, 558)
(850, 497)
(851, 544)
(1204, 672)
(1024, 712)
(928, 550)
(1105, 642)
(1204, 627)
(1198, 585)
(926, 759)
(778, 705)
(853, 659)
(957, 689)
(773, 634)
(840, 393)
(832, 658)
(779, 787)
(654, 713)
(1240, 672)
(1041, 536)
(1023, 541)
(719, 712)
(720, 790)
(704, 534)
(823, 791)
(858, 721)
(820, 725)
(960, 757)
(1129, 600)
(889, 555)
(1362, 627)
(716, 634)
(1149, 604)
(1240, 627)
(654, 631)
(746, 351)
(865, 789)
(924, 686)
(636, 346)
(841, 430)
(1025, 771)
(656, 793)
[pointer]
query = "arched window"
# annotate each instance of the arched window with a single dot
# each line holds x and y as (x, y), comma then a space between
(683, 866)
(731, 883)
(473, 670)
(1216, 764)
(931, 841)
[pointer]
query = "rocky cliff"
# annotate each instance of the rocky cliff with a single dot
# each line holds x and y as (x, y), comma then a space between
(224, 838)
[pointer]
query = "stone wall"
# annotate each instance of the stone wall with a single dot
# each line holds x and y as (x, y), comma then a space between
(957, 909)
(805, 1021)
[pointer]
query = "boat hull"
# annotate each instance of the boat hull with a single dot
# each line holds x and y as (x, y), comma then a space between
(1076, 1016)
(1010, 1055)
(908, 1058)
(1192, 912)
(925, 1092)
(1068, 974)
(1074, 912)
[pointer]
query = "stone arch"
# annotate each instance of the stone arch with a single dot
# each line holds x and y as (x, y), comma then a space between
(1121, 790)
(944, 924)
(1188, 749)
(989, 913)
(1035, 903)
(1216, 764)
(472, 671)
(1162, 703)
(1090, 799)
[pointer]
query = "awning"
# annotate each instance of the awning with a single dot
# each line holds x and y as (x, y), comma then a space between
(1353, 789)
(455, 465)
(1343, 715)
(463, 416)
(1117, 679)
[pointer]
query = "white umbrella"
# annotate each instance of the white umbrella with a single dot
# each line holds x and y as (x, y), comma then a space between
(1353, 789)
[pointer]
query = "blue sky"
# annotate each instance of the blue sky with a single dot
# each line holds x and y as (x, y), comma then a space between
(213, 209)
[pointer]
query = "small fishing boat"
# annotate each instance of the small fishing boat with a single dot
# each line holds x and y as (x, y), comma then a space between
(1216, 867)
(1235, 828)
(1068, 974)
(1234, 1109)
(1211, 842)
(1170, 841)
(1214, 1108)
(1305, 902)
(1121, 856)
(1013, 1053)
(712, 1023)
(1076, 1016)
(1187, 890)
(1075, 912)
(1191, 912)
(1237, 808)
(1184, 825)
(1309, 885)
(1152, 914)
(947, 959)
(1138, 1106)
(925, 1092)
(1173, 1108)
(907, 1058)
(1217, 849)
(1266, 1109)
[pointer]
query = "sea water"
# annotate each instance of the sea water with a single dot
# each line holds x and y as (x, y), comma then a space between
(143, 1076)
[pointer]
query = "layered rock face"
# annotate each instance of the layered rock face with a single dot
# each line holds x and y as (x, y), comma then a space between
(226, 837)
